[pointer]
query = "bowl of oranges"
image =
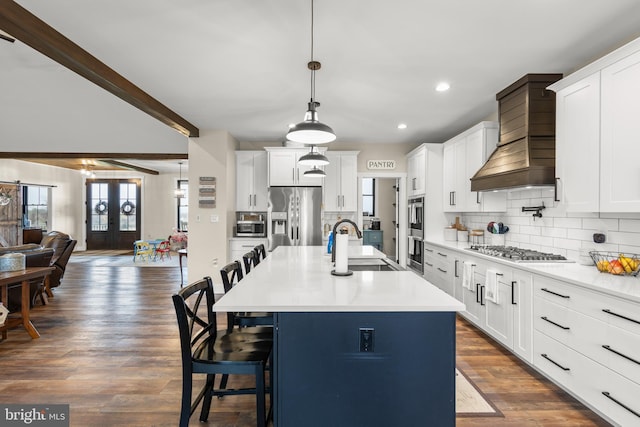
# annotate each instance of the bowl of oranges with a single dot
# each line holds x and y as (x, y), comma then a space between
(616, 263)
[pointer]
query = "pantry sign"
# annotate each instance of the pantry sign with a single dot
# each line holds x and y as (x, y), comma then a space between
(381, 164)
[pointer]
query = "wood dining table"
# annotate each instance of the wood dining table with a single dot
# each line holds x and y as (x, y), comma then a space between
(22, 277)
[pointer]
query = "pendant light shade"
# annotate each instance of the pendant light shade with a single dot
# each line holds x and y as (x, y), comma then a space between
(311, 130)
(179, 193)
(313, 158)
(314, 172)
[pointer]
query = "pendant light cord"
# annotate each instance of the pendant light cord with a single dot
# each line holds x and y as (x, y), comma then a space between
(313, 72)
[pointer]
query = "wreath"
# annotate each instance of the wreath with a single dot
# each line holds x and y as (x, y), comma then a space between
(101, 207)
(127, 208)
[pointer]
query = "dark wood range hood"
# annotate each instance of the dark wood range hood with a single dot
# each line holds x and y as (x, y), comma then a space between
(526, 151)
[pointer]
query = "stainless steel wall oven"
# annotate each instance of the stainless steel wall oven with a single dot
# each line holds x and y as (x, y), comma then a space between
(415, 252)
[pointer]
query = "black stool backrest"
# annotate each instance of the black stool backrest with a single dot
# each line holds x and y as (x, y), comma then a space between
(261, 253)
(231, 274)
(249, 260)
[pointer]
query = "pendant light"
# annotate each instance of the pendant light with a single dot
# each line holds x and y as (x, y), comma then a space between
(315, 172)
(313, 158)
(311, 130)
(179, 192)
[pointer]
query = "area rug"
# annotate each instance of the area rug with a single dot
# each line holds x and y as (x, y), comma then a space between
(470, 401)
(119, 260)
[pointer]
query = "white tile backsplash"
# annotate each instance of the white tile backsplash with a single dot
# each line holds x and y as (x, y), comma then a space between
(558, 231)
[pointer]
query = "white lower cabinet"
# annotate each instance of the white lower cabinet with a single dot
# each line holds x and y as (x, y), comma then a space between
(589, 343)
(438, 268)
(522, 303)
(240, 246)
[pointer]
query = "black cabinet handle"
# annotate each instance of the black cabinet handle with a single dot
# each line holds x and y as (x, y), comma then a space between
(513, 295)
(554, 362)
(478, 293)
(455, 269)
(566, 328)
(482, 295)
(608, 396)
(428, 250)
(441, 254)
(555, 190)
(606, 310)
(608, 347)
(430, 265)
(554, 293)
(444, 271)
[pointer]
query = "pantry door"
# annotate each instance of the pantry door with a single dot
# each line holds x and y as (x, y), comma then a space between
(113, 213)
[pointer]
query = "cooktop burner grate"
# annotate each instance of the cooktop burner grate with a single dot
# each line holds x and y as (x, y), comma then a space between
(515, 254)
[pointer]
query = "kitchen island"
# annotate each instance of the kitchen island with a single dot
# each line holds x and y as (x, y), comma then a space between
(373, 349)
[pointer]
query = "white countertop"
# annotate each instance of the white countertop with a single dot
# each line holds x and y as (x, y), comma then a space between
(299, 279)
(627, 287)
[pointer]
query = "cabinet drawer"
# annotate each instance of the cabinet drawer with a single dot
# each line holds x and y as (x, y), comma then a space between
(554, 359)
(612, 310)
(588, 380)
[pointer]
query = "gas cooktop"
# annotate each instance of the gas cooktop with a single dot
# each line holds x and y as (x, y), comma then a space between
(512, 253)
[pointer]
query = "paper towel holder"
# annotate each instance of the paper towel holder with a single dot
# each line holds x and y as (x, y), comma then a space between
(333, 249)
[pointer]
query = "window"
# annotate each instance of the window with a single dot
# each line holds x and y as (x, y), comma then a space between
(368, 196)
(35, 206)
(183, 206)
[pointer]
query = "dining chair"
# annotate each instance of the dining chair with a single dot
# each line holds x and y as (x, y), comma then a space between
(231, 274)
(164, 248)
(206, 350)
(142, 249)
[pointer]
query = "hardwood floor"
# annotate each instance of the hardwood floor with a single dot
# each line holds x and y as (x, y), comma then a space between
(109, 348)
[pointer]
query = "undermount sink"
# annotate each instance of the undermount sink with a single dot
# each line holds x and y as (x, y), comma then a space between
(366, 264)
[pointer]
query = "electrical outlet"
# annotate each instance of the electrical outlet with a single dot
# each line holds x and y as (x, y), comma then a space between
(215, 218)
(214, 262)
(366, 340)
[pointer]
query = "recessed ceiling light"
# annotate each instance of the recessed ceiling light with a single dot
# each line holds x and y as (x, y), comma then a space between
(443, 87)
(402, 126)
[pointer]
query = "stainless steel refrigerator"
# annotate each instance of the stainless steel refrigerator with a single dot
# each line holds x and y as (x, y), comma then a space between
(294, 217)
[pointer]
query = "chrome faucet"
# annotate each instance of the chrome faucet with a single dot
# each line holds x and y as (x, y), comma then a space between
(335, 227)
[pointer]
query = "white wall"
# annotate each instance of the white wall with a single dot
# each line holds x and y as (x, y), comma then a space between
(159, 211)
(558, 231)
(212, 154)
(66, 210)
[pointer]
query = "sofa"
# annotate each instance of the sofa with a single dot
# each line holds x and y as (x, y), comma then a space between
(35, 256)
(54, 250)
(62, 245)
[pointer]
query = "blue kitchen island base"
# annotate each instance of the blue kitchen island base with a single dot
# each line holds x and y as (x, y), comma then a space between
(364, 369)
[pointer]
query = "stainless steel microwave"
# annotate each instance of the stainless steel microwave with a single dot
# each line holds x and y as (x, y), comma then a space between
(250, 224)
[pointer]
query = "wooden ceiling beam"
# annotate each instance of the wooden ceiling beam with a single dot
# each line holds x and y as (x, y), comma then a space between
(58, 155)
(128, 166)
(32, 31)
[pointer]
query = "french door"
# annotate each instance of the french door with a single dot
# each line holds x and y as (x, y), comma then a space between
(113, 213)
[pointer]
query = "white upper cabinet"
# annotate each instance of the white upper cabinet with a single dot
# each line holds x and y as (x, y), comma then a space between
(463, 155)
(416, 181)
(284, 169)
(598, 124)
(424, 167)
(620, 132)
(341, 183)
(251, 180)
(578, 145)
